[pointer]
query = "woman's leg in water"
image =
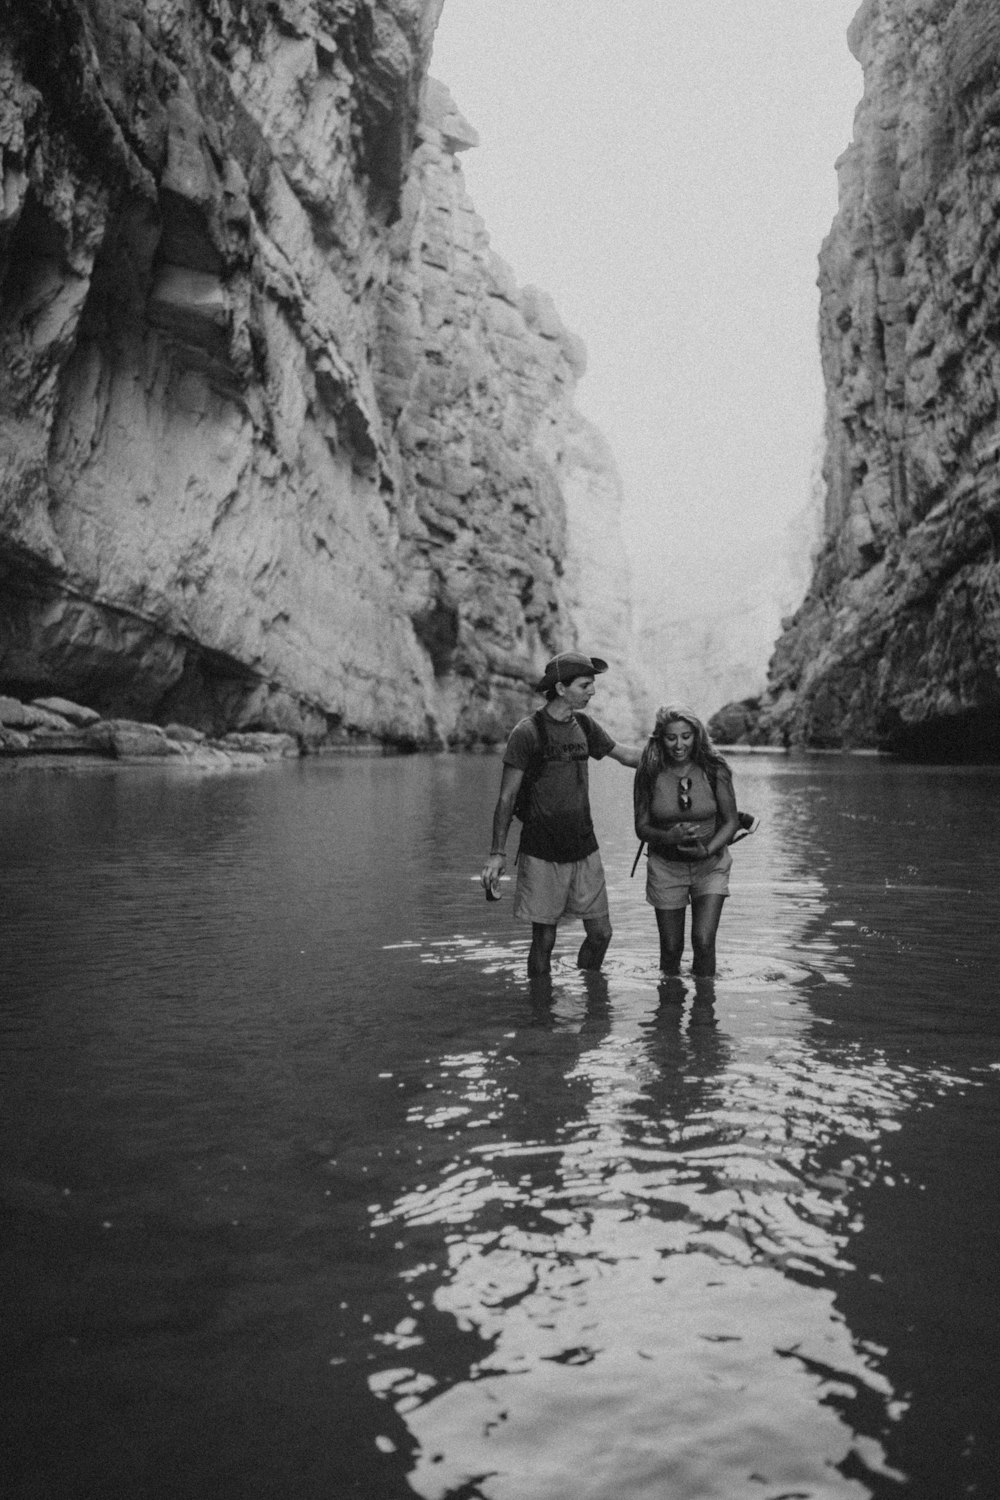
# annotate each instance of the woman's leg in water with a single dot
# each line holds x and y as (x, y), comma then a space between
(670, 923)
(705, 914)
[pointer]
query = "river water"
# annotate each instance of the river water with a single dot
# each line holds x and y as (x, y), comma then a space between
(308, 1194)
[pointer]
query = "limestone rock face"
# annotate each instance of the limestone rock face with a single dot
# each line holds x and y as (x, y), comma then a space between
(597, 581)
(897, 643)
(276, 430)
(512, 545)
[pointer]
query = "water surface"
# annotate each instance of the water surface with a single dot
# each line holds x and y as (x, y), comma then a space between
(308, 1193)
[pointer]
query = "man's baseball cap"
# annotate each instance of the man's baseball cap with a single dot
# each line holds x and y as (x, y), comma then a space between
(566, 666)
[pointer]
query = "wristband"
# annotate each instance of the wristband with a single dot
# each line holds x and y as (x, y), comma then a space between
(502, 853)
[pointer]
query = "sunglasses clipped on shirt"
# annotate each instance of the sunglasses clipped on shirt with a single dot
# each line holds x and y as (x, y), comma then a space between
(684, 794)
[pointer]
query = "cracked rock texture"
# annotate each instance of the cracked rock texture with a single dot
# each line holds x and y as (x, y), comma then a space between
(283, 446)
(897, 643)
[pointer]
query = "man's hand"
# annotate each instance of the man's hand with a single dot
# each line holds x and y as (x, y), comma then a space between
(493, 869)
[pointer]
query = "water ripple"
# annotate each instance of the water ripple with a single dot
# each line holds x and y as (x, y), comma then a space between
(650, 1270)
(309, 1187)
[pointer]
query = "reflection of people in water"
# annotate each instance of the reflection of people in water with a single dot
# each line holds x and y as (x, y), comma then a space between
(685, 811)
(672, 994)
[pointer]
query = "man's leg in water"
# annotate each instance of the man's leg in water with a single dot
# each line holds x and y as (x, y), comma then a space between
(595, 944)
(543, 940)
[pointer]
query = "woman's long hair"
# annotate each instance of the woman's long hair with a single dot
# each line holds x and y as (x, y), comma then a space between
(654, 755)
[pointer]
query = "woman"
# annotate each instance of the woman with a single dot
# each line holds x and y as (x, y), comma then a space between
(685, 810)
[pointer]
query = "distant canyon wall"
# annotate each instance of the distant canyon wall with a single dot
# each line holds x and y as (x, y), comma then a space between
(707, 639)
(897, 643)
(282, 443)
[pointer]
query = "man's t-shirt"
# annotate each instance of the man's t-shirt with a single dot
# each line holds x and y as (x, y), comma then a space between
(558, 825)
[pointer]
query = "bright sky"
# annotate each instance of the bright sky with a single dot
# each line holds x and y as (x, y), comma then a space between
(665, 169)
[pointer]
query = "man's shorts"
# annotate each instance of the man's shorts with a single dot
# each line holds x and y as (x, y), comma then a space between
(547, 892)
(670, 883)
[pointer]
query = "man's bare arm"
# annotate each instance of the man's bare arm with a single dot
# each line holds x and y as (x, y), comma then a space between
(626, 755)
(510, 784)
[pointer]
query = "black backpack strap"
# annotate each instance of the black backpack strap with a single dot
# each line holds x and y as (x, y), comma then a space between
(538, 719)
(541, 755)
(532, 771)
(586, 723)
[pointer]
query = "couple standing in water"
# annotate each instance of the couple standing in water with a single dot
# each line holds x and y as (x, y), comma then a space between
(685, 813)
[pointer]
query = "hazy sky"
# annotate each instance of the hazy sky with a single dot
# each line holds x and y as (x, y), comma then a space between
(665, 169)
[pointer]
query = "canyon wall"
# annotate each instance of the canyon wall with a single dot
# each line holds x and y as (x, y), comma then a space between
(283, 446)
(515, 537)
(714, 646)
(897, 643)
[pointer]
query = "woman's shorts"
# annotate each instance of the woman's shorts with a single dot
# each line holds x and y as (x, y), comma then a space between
(670, 883)
(547, 892)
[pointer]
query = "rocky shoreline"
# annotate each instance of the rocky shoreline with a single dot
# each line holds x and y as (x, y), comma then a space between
(48, 730)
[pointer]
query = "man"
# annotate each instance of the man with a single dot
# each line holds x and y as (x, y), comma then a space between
(559, 870)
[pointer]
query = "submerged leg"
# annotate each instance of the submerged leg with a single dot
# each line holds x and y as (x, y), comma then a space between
(543, 940)
(595, 944)
(703, 1009)
(670, 923)
(705, 914)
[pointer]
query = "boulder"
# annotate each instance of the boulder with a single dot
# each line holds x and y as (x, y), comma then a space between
(183, 734)
(257, 742)
(67, 741)
(16, 715)
(74, 712)
(130, 740)
(734, 723)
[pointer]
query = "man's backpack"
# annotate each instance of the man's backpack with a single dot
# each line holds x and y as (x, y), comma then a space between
(536, 765)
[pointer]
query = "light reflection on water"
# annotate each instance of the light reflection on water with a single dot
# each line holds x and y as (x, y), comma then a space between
(312, 1191)
(652, 1291)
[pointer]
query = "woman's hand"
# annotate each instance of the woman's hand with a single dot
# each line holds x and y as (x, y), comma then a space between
(690, 843)
(685, 836)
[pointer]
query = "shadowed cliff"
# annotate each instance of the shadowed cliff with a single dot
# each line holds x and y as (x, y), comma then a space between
(897, 643)
(282, 444)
